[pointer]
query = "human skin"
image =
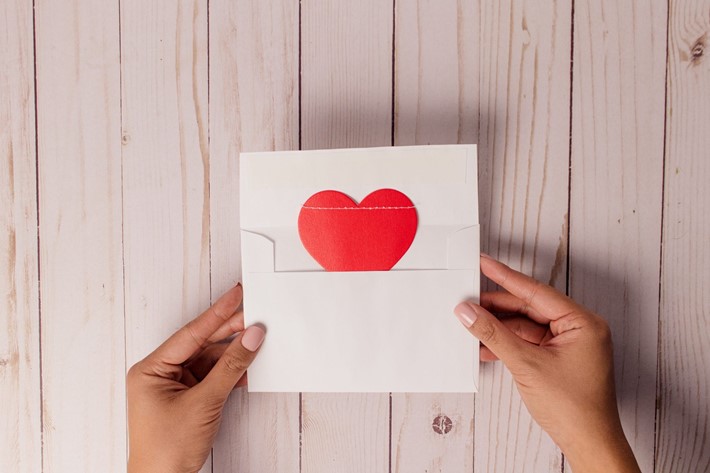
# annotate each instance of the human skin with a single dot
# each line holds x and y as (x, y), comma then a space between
(177, 393)
(559, 353)
(561, 358)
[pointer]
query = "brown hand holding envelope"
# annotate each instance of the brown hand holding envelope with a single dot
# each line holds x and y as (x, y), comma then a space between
(560, 355)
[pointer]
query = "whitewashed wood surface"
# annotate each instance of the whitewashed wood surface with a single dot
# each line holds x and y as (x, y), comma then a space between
(120, 128)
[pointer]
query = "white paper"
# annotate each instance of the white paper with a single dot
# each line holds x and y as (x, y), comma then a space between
(374, 331)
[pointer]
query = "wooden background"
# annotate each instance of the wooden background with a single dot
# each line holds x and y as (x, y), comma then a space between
(120, 128)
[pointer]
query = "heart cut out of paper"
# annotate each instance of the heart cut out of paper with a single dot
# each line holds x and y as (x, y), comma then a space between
(342, 235)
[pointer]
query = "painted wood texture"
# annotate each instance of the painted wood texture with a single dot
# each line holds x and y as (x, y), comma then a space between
(20, 427)
(346, 101)
(166, 213)
(81, 279)
(683, 424)
(523, 181)
(253, 107)
(435, 101)
(617, 159)
(141, 109)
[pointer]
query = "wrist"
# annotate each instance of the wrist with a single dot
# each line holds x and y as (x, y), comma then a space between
(607, 450)
(151, 464)
(143, 465)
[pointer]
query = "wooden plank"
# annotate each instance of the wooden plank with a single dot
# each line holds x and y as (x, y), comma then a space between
(20, 427)
(346, 101)
(436, 72)
(345, 432)
(79, 156)
(346, 74)
(683, 420)
(432, 432)
(436, 101)
(523, 178)
(254, 107)
(165, 169)
(616, 191)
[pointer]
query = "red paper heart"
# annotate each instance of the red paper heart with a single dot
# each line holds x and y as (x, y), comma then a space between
(344, 236)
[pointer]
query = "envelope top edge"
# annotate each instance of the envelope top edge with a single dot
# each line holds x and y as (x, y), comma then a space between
(441, 180)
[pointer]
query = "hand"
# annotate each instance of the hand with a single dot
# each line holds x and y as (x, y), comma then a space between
(560, 355)
(176, 394)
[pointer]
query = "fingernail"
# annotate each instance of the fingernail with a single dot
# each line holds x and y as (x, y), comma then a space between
(465, 313)
(252, 338)
(485, 255)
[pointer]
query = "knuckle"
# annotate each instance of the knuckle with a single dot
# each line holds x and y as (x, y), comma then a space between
(133, 376)
(219, 313)
(486, 332)
(530, 297)
(236, 361)
(600, 329)
(603, 330)
(515, 326)
(199, 340)
(133, 372)
(505, 275)
(524, 308)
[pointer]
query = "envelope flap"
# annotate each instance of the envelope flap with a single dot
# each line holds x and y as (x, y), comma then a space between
(440, 180)
(257, 252)
(463, 248)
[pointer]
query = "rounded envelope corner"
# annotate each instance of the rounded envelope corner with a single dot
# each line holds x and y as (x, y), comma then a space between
(257, 253)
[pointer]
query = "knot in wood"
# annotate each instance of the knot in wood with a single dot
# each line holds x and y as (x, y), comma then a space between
(696, 53)
(442, 424)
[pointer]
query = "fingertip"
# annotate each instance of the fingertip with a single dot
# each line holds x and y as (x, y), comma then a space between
(491, 267)
(253, 337)
(232, 299)
(487, 260)
(465, 313)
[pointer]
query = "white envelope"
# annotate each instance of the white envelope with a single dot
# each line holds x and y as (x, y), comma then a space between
(369, 331)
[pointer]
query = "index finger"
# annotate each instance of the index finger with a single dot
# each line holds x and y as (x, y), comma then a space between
(194, 336)
(534, 294)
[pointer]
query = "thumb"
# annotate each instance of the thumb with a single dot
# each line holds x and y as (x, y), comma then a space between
(483, 325)
(233, 363)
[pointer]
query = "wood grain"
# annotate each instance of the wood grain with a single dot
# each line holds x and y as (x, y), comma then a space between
(79, 165)
(432, 432)
(165, 165)
(346, 101)
(684, 386)
(436, 101)
(523, 181)
(345, 432)
(253, 107)
(436, 72)
(346, 74)
(166, 201)
(616, 191)
(20, 427)
(162, 183)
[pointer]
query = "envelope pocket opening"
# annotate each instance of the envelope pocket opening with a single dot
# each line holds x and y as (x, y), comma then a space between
(458, 249)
